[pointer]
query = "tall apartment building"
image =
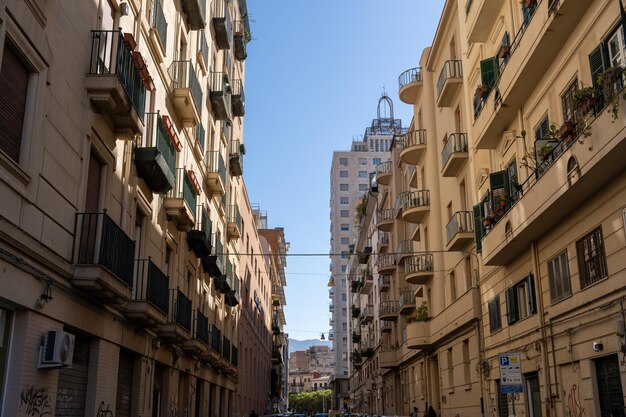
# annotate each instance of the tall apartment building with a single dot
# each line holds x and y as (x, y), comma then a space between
(350, 180)
(121, 212)
(499, 226)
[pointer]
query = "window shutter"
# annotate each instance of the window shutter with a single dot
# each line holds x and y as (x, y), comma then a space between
(532, 304)
(512, 311)
(13, 90)
(478, 226)
(596, 66)
(499, 185)
(489, 71)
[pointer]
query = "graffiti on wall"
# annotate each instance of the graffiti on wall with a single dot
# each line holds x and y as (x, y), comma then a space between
(104, 411)
(35, 401)
(574, 406)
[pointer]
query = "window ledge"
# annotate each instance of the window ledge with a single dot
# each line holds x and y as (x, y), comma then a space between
(14, 168)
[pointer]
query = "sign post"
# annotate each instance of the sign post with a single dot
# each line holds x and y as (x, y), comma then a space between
(511, 375)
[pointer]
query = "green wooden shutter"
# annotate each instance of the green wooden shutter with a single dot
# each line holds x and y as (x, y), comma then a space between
(597, 66)
(532, 303)
(489, 71)
(499, 185)
(512, 312)
(478, 226)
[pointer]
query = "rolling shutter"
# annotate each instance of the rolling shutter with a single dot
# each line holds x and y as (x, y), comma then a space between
(72, 386)
(597, 60)
(13, 90)
(124, 385)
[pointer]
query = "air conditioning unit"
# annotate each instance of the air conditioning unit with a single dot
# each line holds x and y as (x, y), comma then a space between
(57, 350)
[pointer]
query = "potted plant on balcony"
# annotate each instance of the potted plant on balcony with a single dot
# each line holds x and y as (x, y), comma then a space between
(481, 91)
(566, 132)
(583, 100)
(421, 313)
(611, 81)
(355, 311)
(544, 151)
(504, 51)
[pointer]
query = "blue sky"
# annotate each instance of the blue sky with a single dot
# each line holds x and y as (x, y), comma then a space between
(314, 74)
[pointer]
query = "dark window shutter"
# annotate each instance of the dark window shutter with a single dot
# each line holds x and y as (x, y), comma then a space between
(512, 312)
(92, 196)
(489, 71)
(532, 303)
(596, 66)
(478, 226)
(13, 90)
(499, 185)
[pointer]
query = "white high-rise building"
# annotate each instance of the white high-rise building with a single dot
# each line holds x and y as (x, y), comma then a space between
(349, 182)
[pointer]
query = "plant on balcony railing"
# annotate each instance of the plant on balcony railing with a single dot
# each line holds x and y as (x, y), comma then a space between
(355, 286)
(583, 101)
(356, 311)
(420, 314)
(355, 356)
(612, 82)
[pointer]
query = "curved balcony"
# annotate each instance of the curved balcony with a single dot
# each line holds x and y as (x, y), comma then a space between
(387, 358)
(413, 146)
(384, 283)
(449, 83)
(415, 205)
(383, 241)
(419, 268)
(460, 230)
(410, 84)
(454, 154)
(386, 263)
(367, 315)
(418, 335)
(383, 172)
(404, 250)
(388, 310)
(385, 219)
(407, 300)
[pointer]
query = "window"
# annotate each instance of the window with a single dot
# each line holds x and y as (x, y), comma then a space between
(344, 200)
(362, 161)
(362, 174)
(363, 187)
(376, 161)
(591, 258)
(345, 227)
(495, 320)
(344, 312)
(14, 76)
(343, 161)
(343, 268)
(343, 174)
(466, 361)
(569, 113)
(344, 327)
(558, 273)
(345, 213)
(343, 187)
(520, 300)
(345, 240)
(344, 254)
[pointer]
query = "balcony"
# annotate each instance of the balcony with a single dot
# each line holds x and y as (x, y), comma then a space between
(383, 172)
(103, 258)
(571, 176)
(454, 154)
(545, 30)
(213, 264)
(387, 359)
(449, 83)
(384, 283)
(116, 82)
(366, 282)
(385, 219)
(383, 241)
(199, 238)
(180, 203)
(216, 173)
(227, 363)
(459, 230)
(406, 301)
(155, 156)
(177, 329)
(234, 222)
(277, 356)
(413, 146)
(215, 345)
(185, 93)
(224, 283)
(385, 327)
(196, 12)
(419, 268)
(242, 37)
(354, 310)
(364, 255)
(388, 310)
(386, 263)
(203, 52)
(403, 251)
(415, 205)
(158, 30)
(222, 25)
(418, 335)
(410, 85)
(367, 315)
(481, 16)
(238, 99)
(199, 342)
(220, 95)
(235, 158)
(232, 297)
(149, 304)
(356, 337)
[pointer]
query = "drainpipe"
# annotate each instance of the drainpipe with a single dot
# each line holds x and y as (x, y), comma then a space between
(542, 326)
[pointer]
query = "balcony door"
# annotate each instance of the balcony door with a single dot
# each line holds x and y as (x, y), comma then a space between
(92, 206)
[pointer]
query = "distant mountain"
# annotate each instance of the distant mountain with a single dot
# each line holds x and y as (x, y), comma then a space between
(305, 344)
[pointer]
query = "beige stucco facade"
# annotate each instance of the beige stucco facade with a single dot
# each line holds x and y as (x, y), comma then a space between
(124, 216)
(546, 205)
